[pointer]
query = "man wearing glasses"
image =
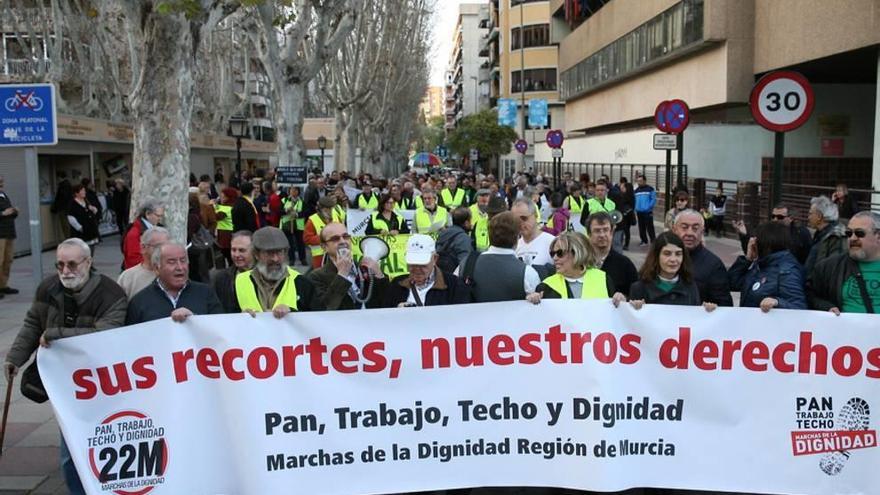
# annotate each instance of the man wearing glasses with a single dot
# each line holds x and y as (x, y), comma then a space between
(850, 282)
(74, 301)
(340, 283)
(272, 285)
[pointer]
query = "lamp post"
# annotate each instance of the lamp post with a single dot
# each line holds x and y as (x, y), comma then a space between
(322, 145)
(238, 128)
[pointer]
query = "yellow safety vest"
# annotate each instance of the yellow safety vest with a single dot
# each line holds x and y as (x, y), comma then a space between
(246, 293)
(449, 201)
(424, 224)
(285, 216)
(480, 224)
(594, 205)
(538, 214)
(379, 223)
(226, 223)
(339, 214)
(319, 224)
(594, 285)
(418, 202)
(576, 205)
(370, 204)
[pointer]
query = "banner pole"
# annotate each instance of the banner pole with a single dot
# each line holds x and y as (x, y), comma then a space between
(6, 412)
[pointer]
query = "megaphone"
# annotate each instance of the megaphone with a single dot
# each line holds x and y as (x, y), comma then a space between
(616, 216)
(374, 248)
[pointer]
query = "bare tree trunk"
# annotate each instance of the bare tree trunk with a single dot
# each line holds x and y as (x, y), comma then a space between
(162, 104)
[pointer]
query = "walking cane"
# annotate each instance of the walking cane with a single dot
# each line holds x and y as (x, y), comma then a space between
(5, 412)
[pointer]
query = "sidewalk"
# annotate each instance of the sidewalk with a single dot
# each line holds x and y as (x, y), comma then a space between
(29, 464)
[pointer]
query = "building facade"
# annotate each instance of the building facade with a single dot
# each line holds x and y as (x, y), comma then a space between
(621, 58)
(463, 77)
(524, 42)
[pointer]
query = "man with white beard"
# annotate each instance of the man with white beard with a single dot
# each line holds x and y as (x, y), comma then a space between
(273, 285)
(74, 301)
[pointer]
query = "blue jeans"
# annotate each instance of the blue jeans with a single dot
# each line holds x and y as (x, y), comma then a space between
(71, 477)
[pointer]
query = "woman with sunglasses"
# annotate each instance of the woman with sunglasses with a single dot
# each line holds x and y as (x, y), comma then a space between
(387, 221)
(682, 202)
(577, 273)
(665, 277)
(769, 276)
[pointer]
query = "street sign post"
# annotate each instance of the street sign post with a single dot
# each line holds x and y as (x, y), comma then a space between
(781, 101)
(28, 119)
(672, 117)
(665, 142)
(474, 154)
(555, 138)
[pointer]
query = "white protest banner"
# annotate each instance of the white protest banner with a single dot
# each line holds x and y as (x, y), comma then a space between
(356, 221)
(570, 393)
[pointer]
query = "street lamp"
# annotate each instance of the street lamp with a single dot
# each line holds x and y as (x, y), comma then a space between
(322, 145)
(238, 128)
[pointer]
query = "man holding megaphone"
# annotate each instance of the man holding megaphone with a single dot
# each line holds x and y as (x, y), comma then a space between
(343, 284)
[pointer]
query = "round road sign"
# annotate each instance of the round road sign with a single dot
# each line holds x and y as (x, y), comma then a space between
(782, 101)
(522, 146)
(672, 116)
(555, 138)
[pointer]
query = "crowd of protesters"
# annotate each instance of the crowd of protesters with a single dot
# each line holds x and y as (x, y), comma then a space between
(470, 238)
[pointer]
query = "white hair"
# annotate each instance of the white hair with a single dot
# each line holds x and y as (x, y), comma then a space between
(875, 218)
(76, 242)
(689, 211)
(147, 236)
(826, 208)
(156, 257)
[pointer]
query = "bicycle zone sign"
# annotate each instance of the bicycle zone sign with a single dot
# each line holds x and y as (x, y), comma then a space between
(782, 101)
(27, 116)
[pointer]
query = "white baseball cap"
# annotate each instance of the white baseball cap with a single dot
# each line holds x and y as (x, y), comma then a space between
(419, 249)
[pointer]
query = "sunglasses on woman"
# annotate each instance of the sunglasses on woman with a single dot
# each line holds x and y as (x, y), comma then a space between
(559, 253)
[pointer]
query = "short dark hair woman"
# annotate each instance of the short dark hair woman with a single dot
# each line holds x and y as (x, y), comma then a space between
(666, 277)
(769, 276)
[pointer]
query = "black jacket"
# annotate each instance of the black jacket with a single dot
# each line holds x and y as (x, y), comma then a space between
(447, 289)
(243, 216)
(621, 271)
(711, 277)
(331, 290)
(223, 283)
(87, 220)
(152, 303)
(682, 294)
(825, 283)
(7, 222)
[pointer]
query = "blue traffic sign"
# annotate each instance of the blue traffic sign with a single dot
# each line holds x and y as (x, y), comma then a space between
(672, 116)
(27, 115)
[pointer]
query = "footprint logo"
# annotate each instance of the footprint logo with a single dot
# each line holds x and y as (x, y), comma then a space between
(854, 415)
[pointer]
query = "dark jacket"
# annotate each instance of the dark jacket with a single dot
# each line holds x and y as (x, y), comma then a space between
(152, 303)
(92, 199)
(800, 241)
(121, 203)
(778, 275)
(847, 206)
(87, 220)
(621, 271)
(454, 245)
(829, 241)
(99, 305)
(223, 283)
(711, 277)
(331, 290)
(825, 283)
(683, 294)
(7, 222)
(243, 216)
(447, 289)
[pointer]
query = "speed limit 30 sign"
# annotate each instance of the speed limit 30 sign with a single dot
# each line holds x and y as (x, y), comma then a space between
(782, 101)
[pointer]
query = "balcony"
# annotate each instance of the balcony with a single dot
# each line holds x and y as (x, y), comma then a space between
(24, 68)
(484, 46)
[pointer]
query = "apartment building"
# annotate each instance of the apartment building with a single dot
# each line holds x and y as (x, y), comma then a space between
(463, 77)
(620, 58)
